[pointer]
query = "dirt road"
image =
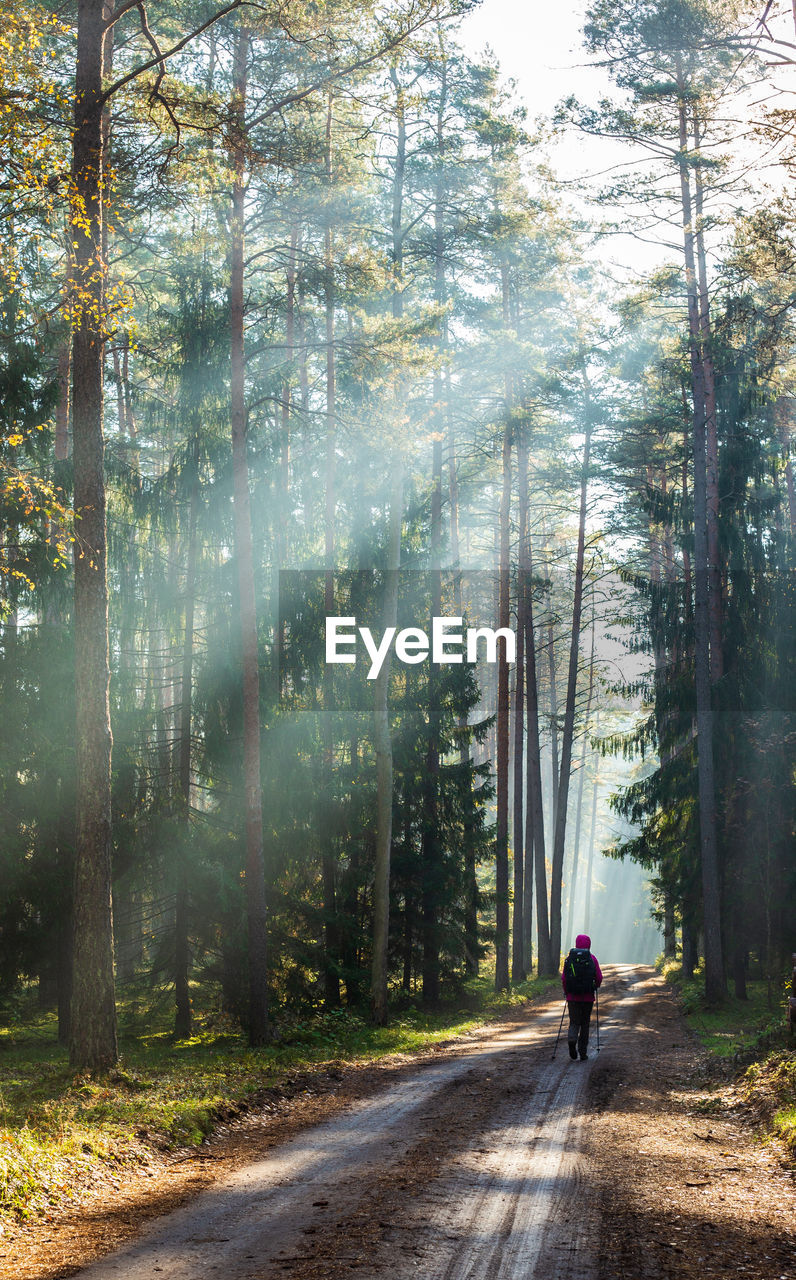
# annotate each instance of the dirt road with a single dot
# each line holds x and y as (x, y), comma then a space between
(467, 1170)
(493, 1162)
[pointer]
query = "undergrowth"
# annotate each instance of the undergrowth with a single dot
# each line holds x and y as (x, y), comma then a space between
(56, 1127)
(770, 1087)
(737, 1029)
(752, 1035)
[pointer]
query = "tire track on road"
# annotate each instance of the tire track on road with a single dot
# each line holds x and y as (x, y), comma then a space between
(529, 1212)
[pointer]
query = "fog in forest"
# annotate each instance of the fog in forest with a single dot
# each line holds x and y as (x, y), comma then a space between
(301, 322)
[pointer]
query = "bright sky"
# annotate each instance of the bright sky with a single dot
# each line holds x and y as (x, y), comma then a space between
(538, 44)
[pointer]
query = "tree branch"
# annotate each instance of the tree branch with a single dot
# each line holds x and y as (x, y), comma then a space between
(161, 57)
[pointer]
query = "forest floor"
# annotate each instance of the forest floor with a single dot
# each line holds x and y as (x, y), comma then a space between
(475, 1160)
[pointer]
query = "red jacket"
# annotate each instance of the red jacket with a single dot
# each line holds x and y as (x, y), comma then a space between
(583, 940)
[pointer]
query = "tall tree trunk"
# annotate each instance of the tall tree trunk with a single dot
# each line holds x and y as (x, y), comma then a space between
(349, 941)
(569, 709)
(93, 1044)
(430, 839)
(327, 837)
(121, 412)
(129, 416)
(573, 884)
(579, 811)
(669, 938)
(163, 679)
(64, 822)
(519, 960)
(502, 982)
(284, 448)
(711, 899)
(382, 741)
(689, 944)
(502, 734)
(255, 863)
(551, 674)
(715, 587)
(382, 737)
(545, 962)
(527, 879)
(182, 953)
(65, 932)
(301, 339)
(688, 589)
(431, 849)
(285, 411)
(592, 838)
(555, 768)
(471, 959)
(662, 571)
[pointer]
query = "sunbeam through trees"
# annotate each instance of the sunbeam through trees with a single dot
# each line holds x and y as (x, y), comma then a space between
(298, 324)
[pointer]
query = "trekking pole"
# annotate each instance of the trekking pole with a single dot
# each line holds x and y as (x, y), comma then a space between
(597, 1003)
(558, 1037)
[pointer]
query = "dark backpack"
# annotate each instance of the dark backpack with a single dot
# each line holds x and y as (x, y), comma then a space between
(580, 972)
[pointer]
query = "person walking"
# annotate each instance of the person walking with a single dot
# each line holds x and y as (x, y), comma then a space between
(580, 978)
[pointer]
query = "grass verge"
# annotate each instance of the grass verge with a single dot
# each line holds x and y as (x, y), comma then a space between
(770, 1088)
(738, 1028)
(57, 1128)
(749, 1034)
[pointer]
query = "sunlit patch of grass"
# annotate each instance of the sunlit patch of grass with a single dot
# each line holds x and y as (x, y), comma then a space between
(770, 1087)
(26, 1168)
(736, 1026)
(784, 1126)
(53, 1123)
(39, 1164)
(190, 1121)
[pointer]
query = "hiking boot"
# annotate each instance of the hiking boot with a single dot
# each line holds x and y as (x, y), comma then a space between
(573, 1053)
(583, 1057)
